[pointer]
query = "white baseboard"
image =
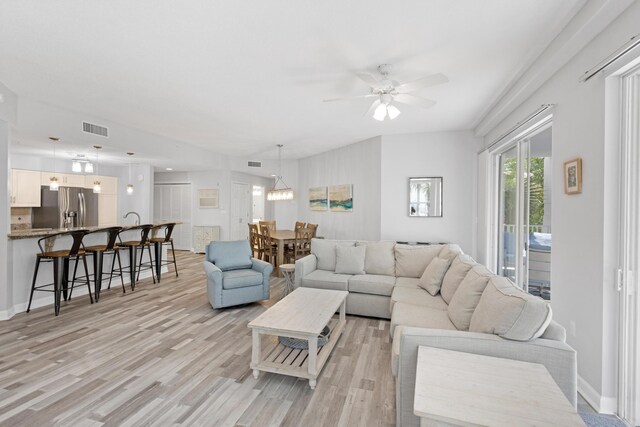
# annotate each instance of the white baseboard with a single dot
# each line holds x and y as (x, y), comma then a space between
(48, 300)
(602, 404)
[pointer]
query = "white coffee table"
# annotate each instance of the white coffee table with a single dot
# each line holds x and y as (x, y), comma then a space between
(464, 389)
(302, 314)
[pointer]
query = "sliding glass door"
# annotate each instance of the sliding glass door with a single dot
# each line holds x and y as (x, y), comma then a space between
(524, 211)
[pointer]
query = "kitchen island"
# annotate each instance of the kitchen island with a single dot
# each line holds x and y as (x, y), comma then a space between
(22, 252)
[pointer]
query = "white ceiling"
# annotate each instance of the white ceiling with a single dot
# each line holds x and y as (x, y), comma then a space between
(237, 77)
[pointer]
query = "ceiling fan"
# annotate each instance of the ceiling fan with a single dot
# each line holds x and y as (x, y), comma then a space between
(389, 91)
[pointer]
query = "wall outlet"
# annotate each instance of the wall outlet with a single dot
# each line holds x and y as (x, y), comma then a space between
(572, 328)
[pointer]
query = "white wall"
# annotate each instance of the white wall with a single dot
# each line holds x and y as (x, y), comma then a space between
(584, 226)
(357, 164)
(451, 155)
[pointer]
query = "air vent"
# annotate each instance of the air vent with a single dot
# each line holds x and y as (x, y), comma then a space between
(254, 164)
(95, 129)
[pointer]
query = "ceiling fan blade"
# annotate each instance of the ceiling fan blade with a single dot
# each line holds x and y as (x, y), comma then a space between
(368, 79)
(432, 80)
(369, 95)
(373, 107)
(414, 100)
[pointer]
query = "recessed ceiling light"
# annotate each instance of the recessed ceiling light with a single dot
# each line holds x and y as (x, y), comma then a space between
(273, 175)
(169, 169)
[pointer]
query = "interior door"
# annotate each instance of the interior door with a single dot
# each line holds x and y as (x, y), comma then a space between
(240, 212)
(173, 202)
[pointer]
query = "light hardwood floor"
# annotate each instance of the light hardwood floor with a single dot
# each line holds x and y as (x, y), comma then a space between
(162, 356)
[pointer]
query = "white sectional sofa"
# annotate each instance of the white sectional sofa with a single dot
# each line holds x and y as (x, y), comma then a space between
(437, 296)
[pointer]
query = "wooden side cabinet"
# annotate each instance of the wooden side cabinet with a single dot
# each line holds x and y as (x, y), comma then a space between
(25, 188)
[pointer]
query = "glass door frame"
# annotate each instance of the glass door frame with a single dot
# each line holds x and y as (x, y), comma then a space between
(522, 144)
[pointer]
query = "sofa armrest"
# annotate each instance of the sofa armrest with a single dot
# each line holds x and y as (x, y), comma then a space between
(261, 266)
(214, 273)
(304, 266)
(556, 356)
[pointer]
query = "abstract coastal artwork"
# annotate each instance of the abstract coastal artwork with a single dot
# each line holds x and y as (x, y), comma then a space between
(318, 200)
(341, 198)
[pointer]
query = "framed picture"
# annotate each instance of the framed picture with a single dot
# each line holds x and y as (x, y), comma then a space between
(318, 200)
(573, 176)
(208, 199)
(341, 198)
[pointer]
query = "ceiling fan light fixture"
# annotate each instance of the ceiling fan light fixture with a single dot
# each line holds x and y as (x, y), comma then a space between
(393, 112)
(88, 167)
(380, 113)
(76, 166)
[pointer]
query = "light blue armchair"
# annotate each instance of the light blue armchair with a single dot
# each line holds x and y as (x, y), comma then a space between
(233, 277)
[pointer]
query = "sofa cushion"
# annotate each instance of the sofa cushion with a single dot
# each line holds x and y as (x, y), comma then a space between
(407, 282)
(419, 316)
(467, 296)
(450, 251)
(416, 296)
(232, 279)
(323, 279)
(325, 252)
(350, 259)
(411, 260)
(372, 284)
(509, 312)
(458, 270)
(379, 258)
(232, 255)
(431, 279)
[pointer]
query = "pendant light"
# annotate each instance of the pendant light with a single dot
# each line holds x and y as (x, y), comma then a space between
(96, 183)
(130, 185)
(53, 181)
(283, 193)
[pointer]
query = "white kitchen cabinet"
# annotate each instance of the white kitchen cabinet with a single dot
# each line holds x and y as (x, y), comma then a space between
(108, 184)
(25, 188)
(107, 210)
(64, 179)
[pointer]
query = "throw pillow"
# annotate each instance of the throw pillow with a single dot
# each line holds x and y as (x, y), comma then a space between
(379, 258)
(325, 252)
(350, 259)
(454, 276)
(411, 260)
(431, 279)
(509, 312)
(466, 298)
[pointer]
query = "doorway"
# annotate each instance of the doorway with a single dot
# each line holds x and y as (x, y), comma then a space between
(523, 225)
(258, 203)
(240, 211)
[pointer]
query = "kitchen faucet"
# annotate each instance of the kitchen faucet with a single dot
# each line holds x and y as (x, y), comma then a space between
(135, 213)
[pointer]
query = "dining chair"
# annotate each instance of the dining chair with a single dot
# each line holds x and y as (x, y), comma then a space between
(299, 225)
(269, 249)
(271, 225)
(301, 244)
(313, 228)
(255, 241)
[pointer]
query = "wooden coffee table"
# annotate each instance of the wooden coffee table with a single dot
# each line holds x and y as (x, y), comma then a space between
(302, 314)
(465, 389)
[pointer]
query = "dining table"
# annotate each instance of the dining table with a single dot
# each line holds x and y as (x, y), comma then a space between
(282, 238)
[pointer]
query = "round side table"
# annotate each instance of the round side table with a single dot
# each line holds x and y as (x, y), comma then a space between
(289, 273)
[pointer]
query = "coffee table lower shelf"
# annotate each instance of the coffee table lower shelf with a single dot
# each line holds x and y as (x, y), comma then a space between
(279, 359)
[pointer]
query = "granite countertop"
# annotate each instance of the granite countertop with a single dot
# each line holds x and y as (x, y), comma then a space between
(44, 232)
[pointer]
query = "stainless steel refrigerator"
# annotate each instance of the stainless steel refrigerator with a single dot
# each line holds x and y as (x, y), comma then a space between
(69, 207)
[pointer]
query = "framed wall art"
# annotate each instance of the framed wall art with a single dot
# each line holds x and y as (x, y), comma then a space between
(573, 176)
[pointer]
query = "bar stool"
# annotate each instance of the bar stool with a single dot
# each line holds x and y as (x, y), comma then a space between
(158, 243)
(98, 252)
(133, 246)
(60, 260)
